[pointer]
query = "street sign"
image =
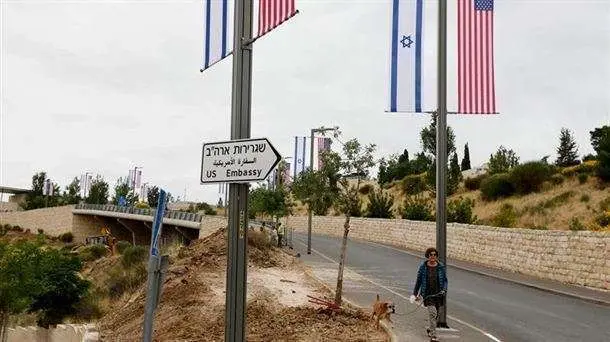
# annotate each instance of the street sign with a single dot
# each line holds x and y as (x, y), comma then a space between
(238, 161)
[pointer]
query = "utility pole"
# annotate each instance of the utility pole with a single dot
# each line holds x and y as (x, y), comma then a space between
(441, 149)
(235, 313)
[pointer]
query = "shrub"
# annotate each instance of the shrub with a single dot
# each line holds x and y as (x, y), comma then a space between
(133, 255)
(507, 217)
(417, 208)
(603, 219)
(588, 157)
(413, 184)
(588, 167)
(460, 210)
(380, 205)
(17, 229)
(93, 252)
(40, 231)
(66, 237)
(497, 186)
(474, 183)
(604, 205)
(529, 177)
(557, 179)
(576, 225)
(365, 189)
(559, 199)
(122, 245)
(582, 178)
(142, 205)
(88, 308)
(569, 172)
(122, 280)
(585, 198)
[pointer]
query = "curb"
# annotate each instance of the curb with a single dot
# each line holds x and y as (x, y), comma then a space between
(384, 325)
(523, 283)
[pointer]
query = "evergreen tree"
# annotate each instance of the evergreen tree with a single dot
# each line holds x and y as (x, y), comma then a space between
(98, 194)
(455, 175)
(72, 193)
(567, 152)
(466, 159)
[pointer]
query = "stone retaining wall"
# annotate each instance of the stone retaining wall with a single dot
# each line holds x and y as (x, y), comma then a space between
(581, 258)
(53, 221)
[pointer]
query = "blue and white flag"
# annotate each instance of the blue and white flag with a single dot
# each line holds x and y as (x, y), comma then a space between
(217, 31)
(300, 161)
(406, 56)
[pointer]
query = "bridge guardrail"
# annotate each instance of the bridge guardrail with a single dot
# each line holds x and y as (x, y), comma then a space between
(171, 214)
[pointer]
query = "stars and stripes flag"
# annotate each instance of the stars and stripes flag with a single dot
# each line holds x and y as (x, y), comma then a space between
(219, 22)
(476, 82)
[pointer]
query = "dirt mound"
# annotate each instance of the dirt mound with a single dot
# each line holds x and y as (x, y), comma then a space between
(193, 301)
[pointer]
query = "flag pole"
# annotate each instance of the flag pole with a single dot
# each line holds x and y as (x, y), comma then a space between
(441, 150)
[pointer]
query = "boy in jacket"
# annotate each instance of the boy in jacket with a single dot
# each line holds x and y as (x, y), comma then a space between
(431, 285)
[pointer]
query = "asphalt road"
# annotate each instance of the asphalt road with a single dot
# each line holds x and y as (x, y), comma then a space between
(508, 311)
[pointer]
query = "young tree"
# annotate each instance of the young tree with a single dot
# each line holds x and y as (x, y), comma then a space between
(567, 152)
(502, 161)
(355, 163)
(35, 198)
(72, 193)
(314, 189)
(455, 175)
(98, 193)
(466, 159)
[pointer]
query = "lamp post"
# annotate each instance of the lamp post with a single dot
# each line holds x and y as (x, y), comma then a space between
(321, 129)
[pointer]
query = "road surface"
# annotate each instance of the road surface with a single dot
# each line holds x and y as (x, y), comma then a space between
(507, 311)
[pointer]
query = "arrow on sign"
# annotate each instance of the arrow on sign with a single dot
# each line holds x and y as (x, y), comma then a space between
(238, 161)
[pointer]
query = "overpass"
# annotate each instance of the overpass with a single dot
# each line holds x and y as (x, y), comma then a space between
(135, 224)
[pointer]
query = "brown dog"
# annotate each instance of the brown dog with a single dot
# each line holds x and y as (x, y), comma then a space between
(382, 310)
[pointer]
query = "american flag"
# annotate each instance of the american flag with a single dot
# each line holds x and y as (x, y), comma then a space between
(272, 13)
(476, 83)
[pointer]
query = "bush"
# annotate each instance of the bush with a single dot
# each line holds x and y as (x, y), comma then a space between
(66, 237)
(585, 198)
(133, 255)
(557, 179)
(576, 225)
(474, 183)
(417, 208)
(17, 229)
(460, 210)
(259, 239)
(365, 189)
(380, 205)
(603, 219)
(93, 252)
(413, 184)
(529, 177)
(497, 186)
(569, 172)
(122, 280)
(604, 205)
(40, 231)
(507, 217)
(588, 157)
(588, 167)
(582, 178)
(122, 245)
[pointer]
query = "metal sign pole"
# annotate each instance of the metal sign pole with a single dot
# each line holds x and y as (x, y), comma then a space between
(235, 313)
(156, 266)
(441, 148)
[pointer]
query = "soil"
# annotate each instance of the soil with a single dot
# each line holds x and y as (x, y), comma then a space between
(193, 301)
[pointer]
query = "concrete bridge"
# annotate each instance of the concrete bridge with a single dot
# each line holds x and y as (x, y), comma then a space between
(135, 225)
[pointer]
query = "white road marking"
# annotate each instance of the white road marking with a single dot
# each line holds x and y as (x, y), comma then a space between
(492, 337)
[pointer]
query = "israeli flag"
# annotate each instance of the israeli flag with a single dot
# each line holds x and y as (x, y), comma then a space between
(217, 31)
(406, 62)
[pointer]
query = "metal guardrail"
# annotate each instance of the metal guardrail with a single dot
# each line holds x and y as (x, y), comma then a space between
(171, 214)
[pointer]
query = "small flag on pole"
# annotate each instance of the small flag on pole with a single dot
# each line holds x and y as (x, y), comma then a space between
(476, 82)
(219, 22)
(218, 31)
(406, 62)
(271, 13)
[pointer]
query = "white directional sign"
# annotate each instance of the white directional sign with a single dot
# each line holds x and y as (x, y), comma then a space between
(238, 161)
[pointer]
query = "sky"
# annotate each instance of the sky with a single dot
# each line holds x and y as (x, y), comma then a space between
(104, 86)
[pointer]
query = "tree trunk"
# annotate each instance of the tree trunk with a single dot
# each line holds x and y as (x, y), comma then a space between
(339, 290)
(3, 326)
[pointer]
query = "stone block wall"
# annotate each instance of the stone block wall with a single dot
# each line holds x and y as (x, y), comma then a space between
(53, 221)
(581, 258)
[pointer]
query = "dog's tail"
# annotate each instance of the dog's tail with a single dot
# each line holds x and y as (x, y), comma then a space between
(378, 297)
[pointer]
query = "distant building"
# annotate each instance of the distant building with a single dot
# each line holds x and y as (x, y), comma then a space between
(15, 199)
